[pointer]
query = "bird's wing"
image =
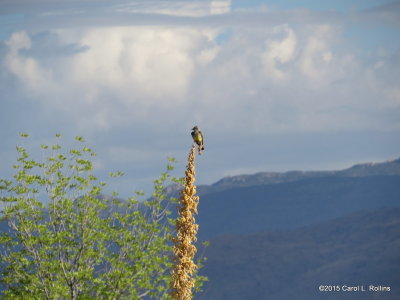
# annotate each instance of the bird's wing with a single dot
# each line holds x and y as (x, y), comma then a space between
(202, 139)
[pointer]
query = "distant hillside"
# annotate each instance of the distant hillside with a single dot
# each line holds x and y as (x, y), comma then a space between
(359, 249)
(292, 204)
(367, 169)
(279, 201)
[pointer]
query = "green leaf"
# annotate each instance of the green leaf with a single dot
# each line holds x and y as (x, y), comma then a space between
(79, 139)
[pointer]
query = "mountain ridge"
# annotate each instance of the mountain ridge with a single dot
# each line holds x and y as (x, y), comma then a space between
(388, 167)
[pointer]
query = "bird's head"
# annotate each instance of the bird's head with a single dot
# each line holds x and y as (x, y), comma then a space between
(195, 128)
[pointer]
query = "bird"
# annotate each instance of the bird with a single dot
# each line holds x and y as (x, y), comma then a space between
(197, 136)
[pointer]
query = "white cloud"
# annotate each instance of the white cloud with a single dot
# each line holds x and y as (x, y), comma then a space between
(177, 8)
(271, 78)
(278, 52)
(26, 69)
(220, 7)
(150, 62)
(122, 68)
(316, 54)
(19, 40)
(207, 55)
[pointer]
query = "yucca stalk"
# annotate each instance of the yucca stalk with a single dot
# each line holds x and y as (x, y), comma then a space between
(182, 274)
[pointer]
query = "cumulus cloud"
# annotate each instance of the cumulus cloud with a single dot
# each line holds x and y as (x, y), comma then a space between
(25, 68)
(276, 76)
(151, 62)
(279, 52)
(121, 68)
(316, 54)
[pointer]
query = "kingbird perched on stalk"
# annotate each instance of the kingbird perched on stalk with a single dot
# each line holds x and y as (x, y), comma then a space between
(197, 136)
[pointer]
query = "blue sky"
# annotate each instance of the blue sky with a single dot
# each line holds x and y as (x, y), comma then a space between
(274, 85)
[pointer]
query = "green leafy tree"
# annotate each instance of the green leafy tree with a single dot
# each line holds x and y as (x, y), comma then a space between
(79, 244)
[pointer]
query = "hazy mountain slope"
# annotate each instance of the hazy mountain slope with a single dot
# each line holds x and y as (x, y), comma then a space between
(391, 167)
(359, 249)
(293, 204)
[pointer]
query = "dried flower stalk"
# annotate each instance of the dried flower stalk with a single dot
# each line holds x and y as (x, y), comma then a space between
(186, 229)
